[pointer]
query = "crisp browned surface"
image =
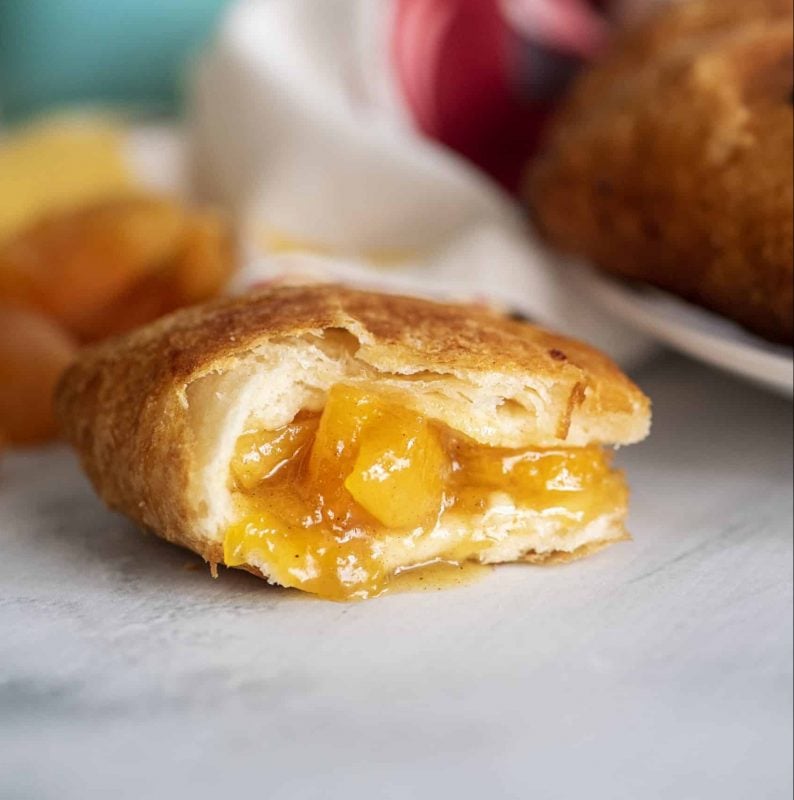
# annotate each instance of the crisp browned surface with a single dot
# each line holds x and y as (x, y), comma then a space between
(672, 160)
(399, 334)
(122, 405)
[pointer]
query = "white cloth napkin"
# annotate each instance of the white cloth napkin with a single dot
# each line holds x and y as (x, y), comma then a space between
(298, 129)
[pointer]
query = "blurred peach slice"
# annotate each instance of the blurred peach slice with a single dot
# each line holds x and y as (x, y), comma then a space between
(60, 162)
(68, 264)
(110, 266)
(205, 258)
(33, 353)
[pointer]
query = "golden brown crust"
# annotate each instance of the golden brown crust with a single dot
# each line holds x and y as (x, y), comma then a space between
(124, 417)
(123, 405)
(560, 557)
(672, 160)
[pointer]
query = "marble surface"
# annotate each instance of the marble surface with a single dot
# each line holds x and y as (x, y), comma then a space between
(660, 668)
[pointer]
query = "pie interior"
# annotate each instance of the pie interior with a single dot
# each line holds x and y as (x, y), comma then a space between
(321, 502)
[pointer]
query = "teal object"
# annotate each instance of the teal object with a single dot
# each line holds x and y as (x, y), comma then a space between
(127, 53)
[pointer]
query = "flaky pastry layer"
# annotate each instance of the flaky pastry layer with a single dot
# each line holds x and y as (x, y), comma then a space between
(155, 415)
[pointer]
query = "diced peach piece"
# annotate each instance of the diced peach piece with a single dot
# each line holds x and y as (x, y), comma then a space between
(348, 410)
(532, 471)
(400, 471)
(308, 558)
(261, 454)
(252, 535)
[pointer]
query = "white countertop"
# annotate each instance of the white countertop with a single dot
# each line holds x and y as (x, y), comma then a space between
(660, 668)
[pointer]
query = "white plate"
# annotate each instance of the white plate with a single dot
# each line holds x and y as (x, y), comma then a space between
(694, 331)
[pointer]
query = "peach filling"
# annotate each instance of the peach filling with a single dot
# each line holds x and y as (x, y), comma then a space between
(320, 498)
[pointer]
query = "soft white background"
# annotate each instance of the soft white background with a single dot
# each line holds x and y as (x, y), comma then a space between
(657, 669)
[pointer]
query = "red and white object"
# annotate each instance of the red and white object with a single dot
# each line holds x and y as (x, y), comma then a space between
(352, 140)
(482, 76)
